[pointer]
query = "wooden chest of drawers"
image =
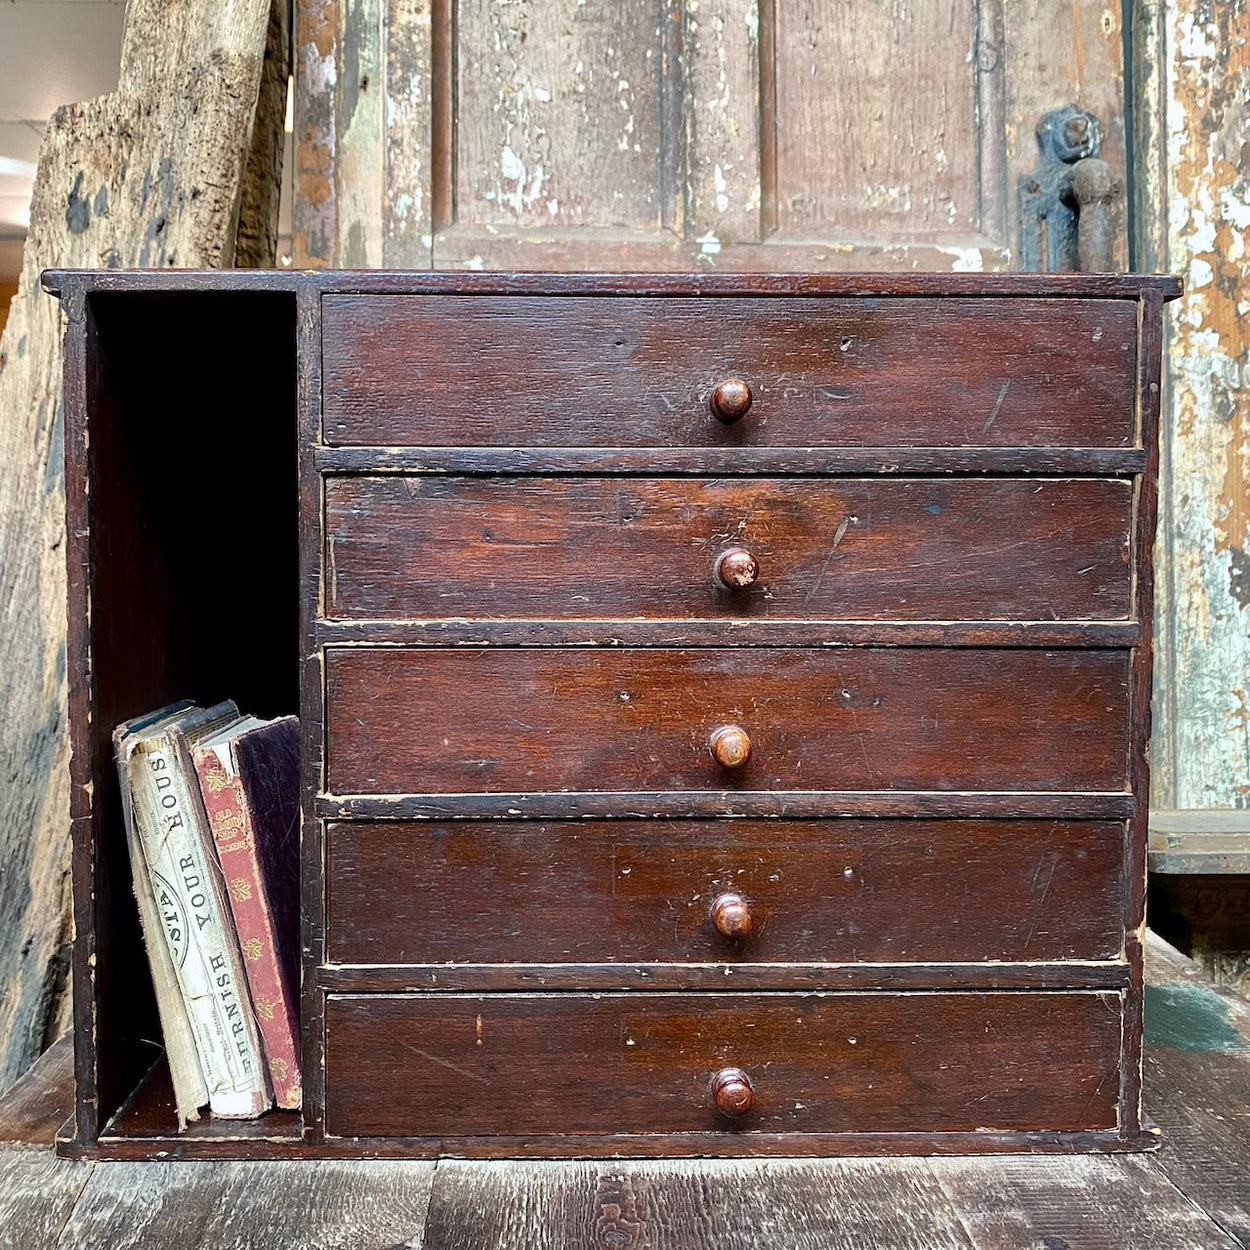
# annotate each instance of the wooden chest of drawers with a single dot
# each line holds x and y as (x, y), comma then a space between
(725, 701)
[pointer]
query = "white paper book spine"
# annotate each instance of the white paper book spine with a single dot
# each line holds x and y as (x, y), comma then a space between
(181, 1050)
(217, 1006)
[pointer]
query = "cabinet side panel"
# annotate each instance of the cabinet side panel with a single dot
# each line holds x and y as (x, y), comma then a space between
(1150, 356)
(78, 672)
(308, 355)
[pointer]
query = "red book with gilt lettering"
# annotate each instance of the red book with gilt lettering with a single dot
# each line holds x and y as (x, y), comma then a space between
(249, 776)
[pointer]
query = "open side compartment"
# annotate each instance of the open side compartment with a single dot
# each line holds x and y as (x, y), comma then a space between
(182, 479)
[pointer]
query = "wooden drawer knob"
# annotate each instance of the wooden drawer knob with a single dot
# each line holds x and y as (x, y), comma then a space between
(736, 569)
(730, 746)
(731, 400)
(732, 1092)
(731, 916)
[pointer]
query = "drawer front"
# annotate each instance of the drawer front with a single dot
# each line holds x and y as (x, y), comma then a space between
(892, 891)
(577, 548)
(534, 371)
(412, 720)
(530, 1065)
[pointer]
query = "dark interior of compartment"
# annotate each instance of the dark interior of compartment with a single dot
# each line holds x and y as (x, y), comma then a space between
(194, 556)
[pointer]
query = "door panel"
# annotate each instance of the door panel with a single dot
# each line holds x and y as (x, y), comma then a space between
(561, 116)
(857, 156)
(670, 134)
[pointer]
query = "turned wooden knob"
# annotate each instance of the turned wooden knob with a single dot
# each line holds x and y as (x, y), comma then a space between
(731, 400)
(731, 916)
(736, 569)
(730, 746)
(732, 1092)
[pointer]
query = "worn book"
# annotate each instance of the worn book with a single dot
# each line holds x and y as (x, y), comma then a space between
(190, 1090)
(249, 778)
(173, 832)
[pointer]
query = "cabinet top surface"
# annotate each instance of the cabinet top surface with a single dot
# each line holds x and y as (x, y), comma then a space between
(62, 282)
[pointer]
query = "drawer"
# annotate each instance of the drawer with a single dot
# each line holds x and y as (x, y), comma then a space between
(531, 1065)
(891, 891)
(532, 371)
(407, 720)
(608, 548)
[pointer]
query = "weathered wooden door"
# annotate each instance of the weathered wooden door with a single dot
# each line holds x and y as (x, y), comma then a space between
(679, 134)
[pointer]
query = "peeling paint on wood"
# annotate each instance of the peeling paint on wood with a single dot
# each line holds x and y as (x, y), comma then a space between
(315, 212)
(360, 175)
(1194, 164)
(408, 189)
(723, 74)
(559, 113)
(685, 134)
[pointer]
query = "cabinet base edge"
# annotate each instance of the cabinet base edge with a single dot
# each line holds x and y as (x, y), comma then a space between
(623, 1146)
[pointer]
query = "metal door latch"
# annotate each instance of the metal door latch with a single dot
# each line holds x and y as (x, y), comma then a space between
(1069, 205)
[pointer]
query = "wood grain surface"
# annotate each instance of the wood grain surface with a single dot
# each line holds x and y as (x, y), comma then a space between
(533, 1065)
(584, 548)
(1196, 1070)
(424, 720)
(848, 1204)
(1074, 1203)
(641, 891)
(772, 283)
(305, 1205)
(43, 1099)
(37, 1196)
(604, 371)
(683, 1205)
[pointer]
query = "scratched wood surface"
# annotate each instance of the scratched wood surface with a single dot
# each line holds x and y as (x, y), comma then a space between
(1192, 1195)
(516, 720)
(1079, 1203)
(681, 1206)
(534, 1065)
(636, 372)
(657, 134)
(585, 891)
(577, 548)
(154, 175)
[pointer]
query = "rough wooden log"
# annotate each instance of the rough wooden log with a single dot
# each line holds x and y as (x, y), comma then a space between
(153, 175)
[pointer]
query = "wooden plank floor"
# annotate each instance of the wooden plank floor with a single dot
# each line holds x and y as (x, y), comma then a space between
(1194, 1194)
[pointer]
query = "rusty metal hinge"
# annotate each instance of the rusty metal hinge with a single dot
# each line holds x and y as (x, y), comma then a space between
(1070, 204)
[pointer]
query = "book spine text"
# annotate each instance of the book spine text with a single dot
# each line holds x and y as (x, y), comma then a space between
(193, 924)
(234, 839)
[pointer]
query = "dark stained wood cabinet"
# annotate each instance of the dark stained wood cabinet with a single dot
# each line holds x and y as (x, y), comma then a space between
(725, 700)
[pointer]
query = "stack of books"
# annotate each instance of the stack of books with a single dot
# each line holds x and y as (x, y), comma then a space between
(211, 804)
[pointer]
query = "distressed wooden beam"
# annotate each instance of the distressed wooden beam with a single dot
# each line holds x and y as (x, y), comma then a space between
(1192, 205)
(173, 170)
(1200, 843)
